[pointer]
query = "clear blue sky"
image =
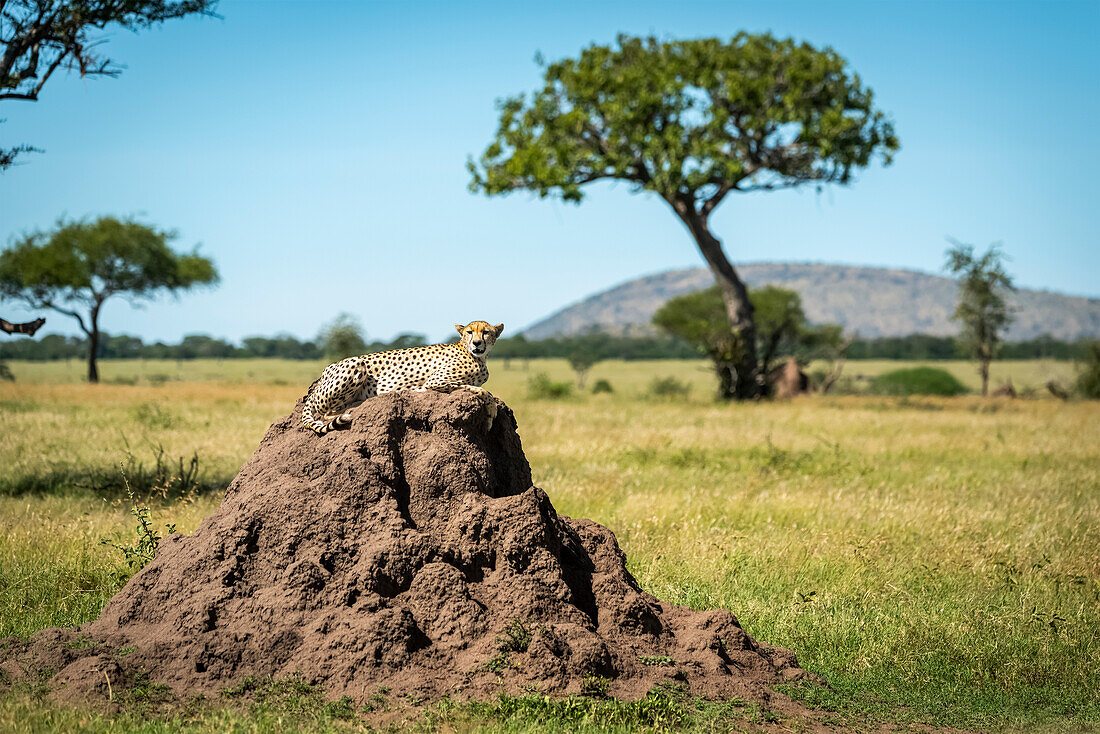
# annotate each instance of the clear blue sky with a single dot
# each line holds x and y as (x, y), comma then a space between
(317, 150)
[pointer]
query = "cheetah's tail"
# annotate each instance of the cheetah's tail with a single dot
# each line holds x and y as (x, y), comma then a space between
(319, 426)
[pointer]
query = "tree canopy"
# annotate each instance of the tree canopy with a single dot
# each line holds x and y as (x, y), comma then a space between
(691, 121)
(76, 267)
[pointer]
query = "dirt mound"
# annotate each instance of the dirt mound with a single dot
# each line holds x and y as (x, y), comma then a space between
(410, 551)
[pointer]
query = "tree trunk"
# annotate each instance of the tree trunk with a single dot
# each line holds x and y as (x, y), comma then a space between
(93, 345)
(726, 378)
(832, 376)
(983, 369)
(747, 382)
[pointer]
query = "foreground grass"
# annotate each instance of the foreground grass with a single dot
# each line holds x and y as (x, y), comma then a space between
(291, 705)
(934, 560)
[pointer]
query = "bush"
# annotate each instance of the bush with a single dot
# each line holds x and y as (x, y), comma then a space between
(1088, 379)
(541, 387)
(668, 387)
(601, 386)
(917, 381)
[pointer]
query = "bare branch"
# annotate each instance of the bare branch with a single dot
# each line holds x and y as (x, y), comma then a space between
(67, 312)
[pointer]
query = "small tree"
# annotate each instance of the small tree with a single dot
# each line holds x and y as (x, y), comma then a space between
(75, 268)
(700, 319)
(37, 37)
(1088, 376)
(827, 342)
(691, 121)
(981, 308)
(342, 337)
(581, 359)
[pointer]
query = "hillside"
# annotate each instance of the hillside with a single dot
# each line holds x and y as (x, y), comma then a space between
(872, 302)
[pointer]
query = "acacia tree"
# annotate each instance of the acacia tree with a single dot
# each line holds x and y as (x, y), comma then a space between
(38, 37)
(981, 308)
(699, 318)
(75, 268)
(691, 121)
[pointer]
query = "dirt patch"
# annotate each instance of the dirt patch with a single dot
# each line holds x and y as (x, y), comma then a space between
(410, 552)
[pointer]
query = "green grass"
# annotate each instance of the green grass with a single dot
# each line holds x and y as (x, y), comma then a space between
(934, 559)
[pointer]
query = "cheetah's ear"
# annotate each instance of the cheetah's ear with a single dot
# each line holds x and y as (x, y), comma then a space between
(459, 328)
(499, 329)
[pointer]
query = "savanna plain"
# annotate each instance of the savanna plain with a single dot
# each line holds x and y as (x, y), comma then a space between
(933, 559)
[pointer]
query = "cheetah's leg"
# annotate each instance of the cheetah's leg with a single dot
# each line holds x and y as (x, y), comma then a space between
(441, 383)
(336, 393)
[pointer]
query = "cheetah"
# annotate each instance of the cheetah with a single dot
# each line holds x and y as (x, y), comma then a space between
(442, 367)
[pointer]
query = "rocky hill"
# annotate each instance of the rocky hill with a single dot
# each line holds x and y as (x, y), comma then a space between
(872, 302)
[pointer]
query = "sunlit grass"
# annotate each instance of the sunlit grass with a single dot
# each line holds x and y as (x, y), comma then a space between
(931, 558)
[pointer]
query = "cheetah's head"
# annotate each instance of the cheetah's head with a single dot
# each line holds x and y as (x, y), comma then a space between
(478, 337)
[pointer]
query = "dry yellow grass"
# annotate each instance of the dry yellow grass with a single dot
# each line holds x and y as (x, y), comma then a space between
(932, 554)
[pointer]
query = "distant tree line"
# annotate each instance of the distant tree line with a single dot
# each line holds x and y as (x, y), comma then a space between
(603, 346)
(597, 347)
(925, 347)
(193, 346)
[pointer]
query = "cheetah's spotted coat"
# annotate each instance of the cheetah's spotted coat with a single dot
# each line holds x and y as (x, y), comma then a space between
(442, 367)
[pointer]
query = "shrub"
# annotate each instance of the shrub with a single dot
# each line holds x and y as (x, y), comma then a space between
(1088, 379)
(917, 381)
(594, 686)
(602, 386)
(516, 637)
(668, 387)
(541, 387)
(143, 548)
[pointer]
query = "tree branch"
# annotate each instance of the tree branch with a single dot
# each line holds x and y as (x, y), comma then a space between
(593, 176)
(32, 96)
(28, 327)
(67, 312)
(710, 204)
